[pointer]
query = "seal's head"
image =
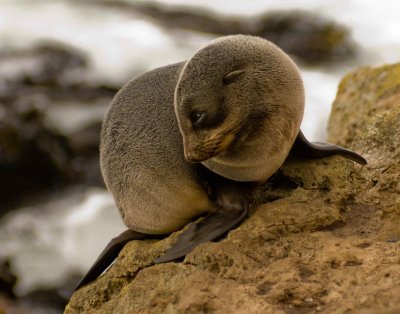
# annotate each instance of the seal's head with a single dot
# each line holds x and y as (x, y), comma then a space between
(207, 122)
(231, 91)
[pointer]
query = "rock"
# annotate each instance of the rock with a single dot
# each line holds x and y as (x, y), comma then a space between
(352, 110)
(40, 88)
(48, 63)
(9, 305)
(32, 158)
(306, 35)
(41, 300)
(45, 300)
(323, 235)
(8, 299)
(7, 279)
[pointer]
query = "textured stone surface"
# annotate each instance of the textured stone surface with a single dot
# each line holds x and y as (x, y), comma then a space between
(363, 94)
(323, 236)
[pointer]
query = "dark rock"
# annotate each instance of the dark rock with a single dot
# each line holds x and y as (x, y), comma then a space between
(200, 20)
(306, 35)
(12, 306)
(51, 299)
(7, 279)
(32, 157)
(9, 302)
(45, 301)
(36, 155)
(49, 63)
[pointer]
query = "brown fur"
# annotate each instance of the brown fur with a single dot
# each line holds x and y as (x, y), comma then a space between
(239, 102)
(141, 156)
(262, 107)
(143, 148)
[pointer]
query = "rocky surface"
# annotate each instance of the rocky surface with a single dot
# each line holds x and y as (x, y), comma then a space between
(306, 35)
(323, 236)
(353, 111)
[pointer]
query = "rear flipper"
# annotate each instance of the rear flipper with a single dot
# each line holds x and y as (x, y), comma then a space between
(110, 253)
(302, 147)
(231, 199)
(209, 228)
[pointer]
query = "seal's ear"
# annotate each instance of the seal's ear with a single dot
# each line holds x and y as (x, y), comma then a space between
(232, 76)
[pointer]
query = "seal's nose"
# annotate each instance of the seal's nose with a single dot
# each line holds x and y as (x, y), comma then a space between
(193, 155)
(193, 158)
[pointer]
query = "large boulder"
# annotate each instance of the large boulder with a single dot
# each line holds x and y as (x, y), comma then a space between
(323, 235)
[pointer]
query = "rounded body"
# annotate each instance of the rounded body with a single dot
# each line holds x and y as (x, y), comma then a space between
(235, 107)
(141, 157)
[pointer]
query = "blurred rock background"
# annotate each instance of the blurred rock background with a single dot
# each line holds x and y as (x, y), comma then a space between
(61, 62)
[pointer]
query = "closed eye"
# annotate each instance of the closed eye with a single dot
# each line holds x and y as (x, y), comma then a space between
(197, 117)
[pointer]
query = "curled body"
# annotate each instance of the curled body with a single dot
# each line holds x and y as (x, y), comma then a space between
(195, 137)
(141, 157)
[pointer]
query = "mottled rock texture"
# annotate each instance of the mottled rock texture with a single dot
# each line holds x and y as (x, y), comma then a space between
(323, 235)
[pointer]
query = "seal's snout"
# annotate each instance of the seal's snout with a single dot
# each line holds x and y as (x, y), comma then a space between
(194, 158)
(195, 155)
(212, 146)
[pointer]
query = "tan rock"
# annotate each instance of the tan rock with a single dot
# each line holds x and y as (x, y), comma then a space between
(362, 94)
(323, 236)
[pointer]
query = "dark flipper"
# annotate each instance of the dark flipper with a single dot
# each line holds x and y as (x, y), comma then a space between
(110, 253)
(209, 228)
(231, 199)
(302, 147)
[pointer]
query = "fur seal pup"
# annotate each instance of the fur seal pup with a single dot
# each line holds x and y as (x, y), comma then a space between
(194, 138)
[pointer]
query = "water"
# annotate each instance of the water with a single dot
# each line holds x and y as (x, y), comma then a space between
(52, 240)
(49, 241)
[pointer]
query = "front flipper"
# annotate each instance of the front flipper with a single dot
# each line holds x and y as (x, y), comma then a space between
(211, 227)
(110, 253)
(302, 147)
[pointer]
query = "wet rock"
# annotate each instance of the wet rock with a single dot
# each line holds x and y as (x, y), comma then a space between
(8, 305)
(306, 35)
(324, 243)
(49, 64)
(50, 300)
(50, 115)
(8, 300)
(7, 279)
(32, 157)
(45, 300)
